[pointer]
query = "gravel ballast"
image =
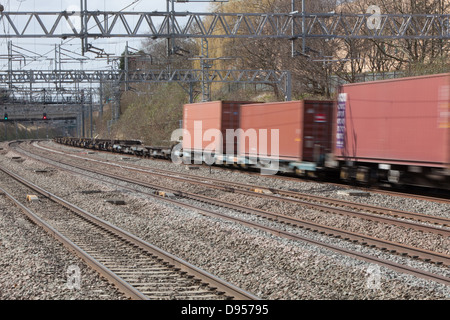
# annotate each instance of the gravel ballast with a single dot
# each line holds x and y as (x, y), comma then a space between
(268, 266)
(35, 266)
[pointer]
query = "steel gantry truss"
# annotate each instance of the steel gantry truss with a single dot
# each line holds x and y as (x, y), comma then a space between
(107, 24)
(171, 25)
(189, 75)
(281, 79)
(48, 96)
(85, 24)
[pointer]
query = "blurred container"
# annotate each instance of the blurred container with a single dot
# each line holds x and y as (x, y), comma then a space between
(219, 115)
(305, 129)
(395, 122)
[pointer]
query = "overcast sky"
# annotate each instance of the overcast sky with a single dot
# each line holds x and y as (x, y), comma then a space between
(114, 46)
(108, 5)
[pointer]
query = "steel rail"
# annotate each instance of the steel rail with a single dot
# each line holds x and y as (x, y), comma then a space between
(294, 194)
(426, 218)
(288, 235)
(444, 199)
(185, 266)
(246, 189)
(393, 247)
(122, 285)
(375, 209)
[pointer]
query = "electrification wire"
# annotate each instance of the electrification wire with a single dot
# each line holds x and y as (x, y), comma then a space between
(4, 27)
(66, 41)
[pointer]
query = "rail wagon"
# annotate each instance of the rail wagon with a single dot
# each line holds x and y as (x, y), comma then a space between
(394, 131)
(205, 128)
(299, 133)
(389, 132)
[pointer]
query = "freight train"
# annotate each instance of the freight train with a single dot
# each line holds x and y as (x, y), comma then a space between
(393, 132)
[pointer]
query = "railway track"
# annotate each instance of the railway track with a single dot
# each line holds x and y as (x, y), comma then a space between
(440, 197)
(139, 269)
(368, 241)
(364, 211)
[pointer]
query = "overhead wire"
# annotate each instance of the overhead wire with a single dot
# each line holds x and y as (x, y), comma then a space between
(68, 40)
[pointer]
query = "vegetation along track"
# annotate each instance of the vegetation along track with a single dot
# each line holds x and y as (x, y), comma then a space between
(393, 247)
(137, 268)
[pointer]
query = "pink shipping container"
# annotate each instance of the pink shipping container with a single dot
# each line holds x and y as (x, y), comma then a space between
(201, 117)
(395, 122)
(305, 129)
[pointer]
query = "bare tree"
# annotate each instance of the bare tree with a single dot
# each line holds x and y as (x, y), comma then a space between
(310, 72)
(399, 54)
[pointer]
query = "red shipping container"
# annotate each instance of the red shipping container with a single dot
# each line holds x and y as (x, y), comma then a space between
(403, 121)
(305, 129)
(198, 118)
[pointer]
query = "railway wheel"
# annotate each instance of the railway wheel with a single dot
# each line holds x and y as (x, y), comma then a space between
(345, 174)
